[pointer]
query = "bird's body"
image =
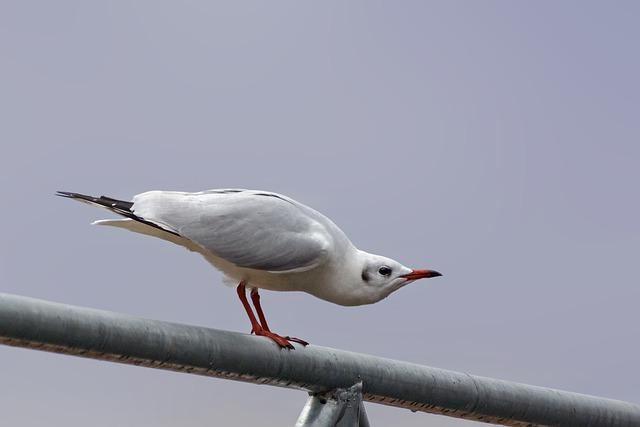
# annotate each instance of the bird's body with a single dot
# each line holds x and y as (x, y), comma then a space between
(263, 240)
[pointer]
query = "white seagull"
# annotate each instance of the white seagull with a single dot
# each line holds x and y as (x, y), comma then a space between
(263, 240)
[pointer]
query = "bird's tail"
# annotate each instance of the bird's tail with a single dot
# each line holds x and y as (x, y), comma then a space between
(120, 207)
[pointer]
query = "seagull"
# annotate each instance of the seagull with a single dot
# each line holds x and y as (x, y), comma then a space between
(262, 240)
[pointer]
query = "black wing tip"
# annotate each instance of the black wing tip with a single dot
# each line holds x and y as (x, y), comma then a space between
(120, 207)
(70, 194)
(107, 202)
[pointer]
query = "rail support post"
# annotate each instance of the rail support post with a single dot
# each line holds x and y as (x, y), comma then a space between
(336, 408)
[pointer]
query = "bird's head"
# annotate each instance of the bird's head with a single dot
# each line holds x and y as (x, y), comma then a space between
(381, 276)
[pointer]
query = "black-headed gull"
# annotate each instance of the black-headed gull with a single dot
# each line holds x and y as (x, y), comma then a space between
(263, 240)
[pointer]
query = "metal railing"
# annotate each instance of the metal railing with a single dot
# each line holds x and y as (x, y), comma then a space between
(337, 380)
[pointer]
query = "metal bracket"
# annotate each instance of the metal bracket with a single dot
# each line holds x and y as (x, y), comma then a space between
(336, 408)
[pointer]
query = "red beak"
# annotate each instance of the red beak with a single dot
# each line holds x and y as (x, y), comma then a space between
(421, 274)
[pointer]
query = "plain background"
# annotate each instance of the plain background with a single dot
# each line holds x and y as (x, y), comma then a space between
(494, 141)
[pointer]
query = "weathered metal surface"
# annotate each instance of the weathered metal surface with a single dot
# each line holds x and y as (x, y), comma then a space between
(336, 408)
(60, 328)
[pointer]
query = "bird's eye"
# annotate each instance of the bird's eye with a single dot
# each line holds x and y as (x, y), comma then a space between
(384, 270)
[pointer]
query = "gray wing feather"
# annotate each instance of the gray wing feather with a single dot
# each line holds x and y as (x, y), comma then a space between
(249, 229)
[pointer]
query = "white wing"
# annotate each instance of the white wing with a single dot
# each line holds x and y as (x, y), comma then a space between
(250, 229)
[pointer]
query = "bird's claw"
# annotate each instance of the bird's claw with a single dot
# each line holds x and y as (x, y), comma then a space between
(283, 342)
(298, 340)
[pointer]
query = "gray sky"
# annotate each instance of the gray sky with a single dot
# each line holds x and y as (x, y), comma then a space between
(496, 142)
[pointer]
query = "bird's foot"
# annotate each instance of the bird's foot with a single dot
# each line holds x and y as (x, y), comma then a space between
(298, 340)
(280, 340)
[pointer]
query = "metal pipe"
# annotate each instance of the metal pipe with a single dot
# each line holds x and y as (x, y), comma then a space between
(79, 331)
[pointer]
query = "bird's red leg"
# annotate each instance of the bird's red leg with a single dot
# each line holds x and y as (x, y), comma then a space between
(255, 297)
(243, 298)
(256, 328)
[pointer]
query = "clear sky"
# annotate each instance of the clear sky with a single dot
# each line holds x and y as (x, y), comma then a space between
(495, 141)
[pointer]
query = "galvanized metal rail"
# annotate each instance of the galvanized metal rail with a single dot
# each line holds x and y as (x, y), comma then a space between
(60, 328)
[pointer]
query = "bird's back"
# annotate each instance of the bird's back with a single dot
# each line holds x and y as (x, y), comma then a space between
(252, 229)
